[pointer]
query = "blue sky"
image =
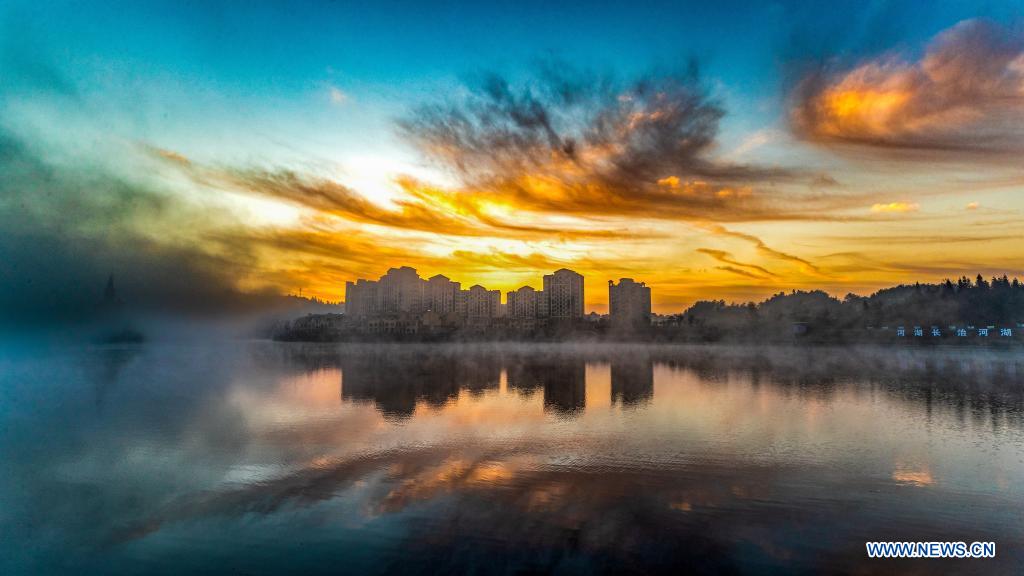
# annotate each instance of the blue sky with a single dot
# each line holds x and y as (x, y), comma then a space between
(273, 60)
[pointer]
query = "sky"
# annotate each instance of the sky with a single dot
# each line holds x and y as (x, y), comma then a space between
(200, 151)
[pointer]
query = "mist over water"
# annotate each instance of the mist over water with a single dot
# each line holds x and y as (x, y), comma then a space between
(261, 458)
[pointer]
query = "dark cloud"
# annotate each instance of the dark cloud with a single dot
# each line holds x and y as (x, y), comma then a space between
(584, 144)
(964, 94)
(650, 129)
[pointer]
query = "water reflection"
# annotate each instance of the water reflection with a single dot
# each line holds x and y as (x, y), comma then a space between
(396, 382)
(110, 363)
(561, 379)
(632, 378)
(978, 385)
(269, 458)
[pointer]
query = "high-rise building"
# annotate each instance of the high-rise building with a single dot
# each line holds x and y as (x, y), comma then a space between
(522, 303)
(629, 304)
(563, 294)
(400, 290)
(460, 304)
(441, 295)
(361, 298)
(522, 307)
(542, 304)
(482, 304)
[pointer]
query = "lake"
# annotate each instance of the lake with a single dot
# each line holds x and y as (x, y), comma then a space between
(270, 458)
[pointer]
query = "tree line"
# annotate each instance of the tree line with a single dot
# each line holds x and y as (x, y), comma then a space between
(995, 302)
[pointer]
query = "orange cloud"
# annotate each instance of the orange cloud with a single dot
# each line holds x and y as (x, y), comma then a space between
(763, 248)
(425, 208)
(727, 258)
(966, 93)
(740, 272)
(169, 155)
(895, 207)
(669, 181)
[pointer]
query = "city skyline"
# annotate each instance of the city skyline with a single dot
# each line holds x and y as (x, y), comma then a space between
(441, 294)
(402, 290)
(208, 152)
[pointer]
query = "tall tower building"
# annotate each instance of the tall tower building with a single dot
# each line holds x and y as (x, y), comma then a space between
(482, 304)
(563, 294)
(629, 304)
(441, 294)
(361, 298)
(400, 290)
(522, 303)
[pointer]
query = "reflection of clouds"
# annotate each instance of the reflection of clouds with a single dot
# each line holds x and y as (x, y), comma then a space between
(479, 497)
(544, 496)
(913, 475)
(491, 473)
(455, 473)
(493, 412)
(316, 388)
(427, 484)
(296, 397)
(515, 478)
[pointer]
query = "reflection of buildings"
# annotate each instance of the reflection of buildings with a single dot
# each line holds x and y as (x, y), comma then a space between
(374, 378)
(632, 379)
(110, 297)
(565, 388)
(629, 304)
(477, 374)
(110, 363)
(562, 378)
(395, 383)
(397, 379)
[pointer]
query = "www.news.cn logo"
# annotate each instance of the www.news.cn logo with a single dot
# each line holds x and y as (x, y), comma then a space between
(931, 549)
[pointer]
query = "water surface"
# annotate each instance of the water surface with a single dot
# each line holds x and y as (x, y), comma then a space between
(266, 458)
